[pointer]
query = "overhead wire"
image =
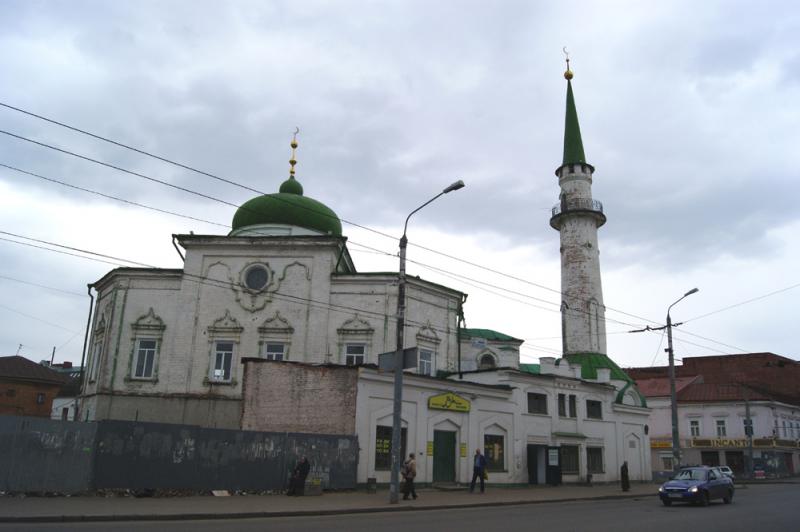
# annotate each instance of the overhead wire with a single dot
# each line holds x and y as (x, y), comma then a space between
(234, 183)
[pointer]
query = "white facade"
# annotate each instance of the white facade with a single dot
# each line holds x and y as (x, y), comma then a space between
(166, 345)
(500, 415)
(713, 433)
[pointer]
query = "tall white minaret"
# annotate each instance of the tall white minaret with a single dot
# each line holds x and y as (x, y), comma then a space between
(577, 217)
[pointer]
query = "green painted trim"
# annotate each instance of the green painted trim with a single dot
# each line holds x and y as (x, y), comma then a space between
(289, 209)
(576, 435)
(488, 334)
(621, 395)
(573, 144)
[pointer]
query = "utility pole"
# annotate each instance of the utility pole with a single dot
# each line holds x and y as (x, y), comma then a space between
(748, 430)
(676, 440)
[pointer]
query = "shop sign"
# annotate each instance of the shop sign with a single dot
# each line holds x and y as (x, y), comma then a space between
(448, 401)
(463, 450)
(719, 442)
(660, 444)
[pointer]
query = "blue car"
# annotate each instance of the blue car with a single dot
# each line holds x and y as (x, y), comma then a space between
(697, 485)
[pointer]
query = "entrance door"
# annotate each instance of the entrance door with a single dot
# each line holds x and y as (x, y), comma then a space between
(533, 464)
(735, 460)
(709, 458)
(444, 456)
(553, 471)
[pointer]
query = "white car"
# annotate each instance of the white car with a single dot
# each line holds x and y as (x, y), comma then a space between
(725, 470)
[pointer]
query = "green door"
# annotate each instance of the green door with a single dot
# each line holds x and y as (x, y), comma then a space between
(444, 456)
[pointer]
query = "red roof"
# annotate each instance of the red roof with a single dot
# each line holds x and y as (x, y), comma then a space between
(21, 369)
(757, 376)
(660, 387)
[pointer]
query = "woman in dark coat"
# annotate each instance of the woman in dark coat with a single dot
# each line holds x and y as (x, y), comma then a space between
(297, 484)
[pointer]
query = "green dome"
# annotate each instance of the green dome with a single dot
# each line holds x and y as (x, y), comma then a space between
(288, 207)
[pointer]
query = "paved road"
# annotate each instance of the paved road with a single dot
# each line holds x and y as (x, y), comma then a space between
(770, 508)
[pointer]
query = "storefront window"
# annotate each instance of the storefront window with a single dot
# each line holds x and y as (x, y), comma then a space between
(594, 459)
(493, 452)
(569, 459)
(383, 446)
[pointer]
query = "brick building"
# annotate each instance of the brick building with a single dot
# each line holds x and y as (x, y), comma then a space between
(713, 394)
(28, 388)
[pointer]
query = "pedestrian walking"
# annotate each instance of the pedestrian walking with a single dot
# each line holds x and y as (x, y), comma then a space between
(623, 476)
(297, 482)
(409, 473)
(478, 470)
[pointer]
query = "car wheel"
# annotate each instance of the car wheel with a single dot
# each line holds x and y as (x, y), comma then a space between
(666, 502)
(704, 499)
(729, 498)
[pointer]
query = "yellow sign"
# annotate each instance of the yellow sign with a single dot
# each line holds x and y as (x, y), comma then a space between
(660, 444)
(463, 450)
(448, 401)
(430, 448)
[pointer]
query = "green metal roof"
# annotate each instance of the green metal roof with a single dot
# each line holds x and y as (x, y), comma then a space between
(288, 207)
(489, 334)
(533, 369)
(573, 145)
(590, 362)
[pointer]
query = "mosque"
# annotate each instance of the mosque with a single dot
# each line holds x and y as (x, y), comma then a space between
(271, 327)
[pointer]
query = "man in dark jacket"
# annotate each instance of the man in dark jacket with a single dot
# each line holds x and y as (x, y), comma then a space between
(478, 469)
(297, 484)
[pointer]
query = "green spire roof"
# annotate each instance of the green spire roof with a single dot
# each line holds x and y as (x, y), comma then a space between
(573, 145)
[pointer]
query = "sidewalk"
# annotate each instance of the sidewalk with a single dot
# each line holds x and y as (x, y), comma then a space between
(77, 509)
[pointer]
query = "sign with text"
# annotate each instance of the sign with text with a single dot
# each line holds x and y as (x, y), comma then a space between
(448, 401)
(386, 361)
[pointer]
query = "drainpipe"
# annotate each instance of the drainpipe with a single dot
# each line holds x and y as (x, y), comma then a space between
(177, 248)
(83, 353)
(461, 322)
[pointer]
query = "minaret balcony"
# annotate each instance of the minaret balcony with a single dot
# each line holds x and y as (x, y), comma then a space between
(578, 206)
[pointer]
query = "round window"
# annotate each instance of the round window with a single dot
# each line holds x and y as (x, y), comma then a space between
(256, 277)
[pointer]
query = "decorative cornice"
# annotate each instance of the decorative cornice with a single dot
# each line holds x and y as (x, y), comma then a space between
(276, 324)
(226, 324)
(356, 325)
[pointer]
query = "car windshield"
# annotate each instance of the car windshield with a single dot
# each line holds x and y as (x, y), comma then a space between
(691, 474)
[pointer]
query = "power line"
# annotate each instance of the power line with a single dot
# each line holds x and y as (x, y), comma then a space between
(115, 198)
(746, 301)
(231, 182)
(37, 319)
(215, 282)
(41, 286)
(234, 183)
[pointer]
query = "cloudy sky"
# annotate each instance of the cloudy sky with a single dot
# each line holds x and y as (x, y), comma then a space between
(688, 111)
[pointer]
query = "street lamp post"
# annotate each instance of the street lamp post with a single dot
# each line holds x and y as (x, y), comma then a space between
(397, 457)
(676, 442)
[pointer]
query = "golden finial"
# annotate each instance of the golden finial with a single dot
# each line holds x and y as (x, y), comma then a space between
(568, 73)
(293, 161)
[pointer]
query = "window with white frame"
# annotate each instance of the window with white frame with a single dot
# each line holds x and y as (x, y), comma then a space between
(144, 358)
(275, 337)
(148, 331)
(355, 341)
(223, 360)
(354, 354)
(722, 430)
(273, 350)
(694, 427)
(223, 339)
(425, 363)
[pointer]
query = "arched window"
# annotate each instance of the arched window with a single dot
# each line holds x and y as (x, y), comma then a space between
(487, 362)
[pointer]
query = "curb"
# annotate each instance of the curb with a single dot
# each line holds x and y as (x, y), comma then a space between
(293, 513)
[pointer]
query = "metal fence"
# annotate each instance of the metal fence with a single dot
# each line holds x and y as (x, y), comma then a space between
(45, 455)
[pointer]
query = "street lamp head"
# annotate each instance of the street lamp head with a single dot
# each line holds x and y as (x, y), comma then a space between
(692, 291)
(455, 186)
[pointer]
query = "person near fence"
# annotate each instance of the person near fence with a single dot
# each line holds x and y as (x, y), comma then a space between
(409, 473)
(297, 482)
(478, 470)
